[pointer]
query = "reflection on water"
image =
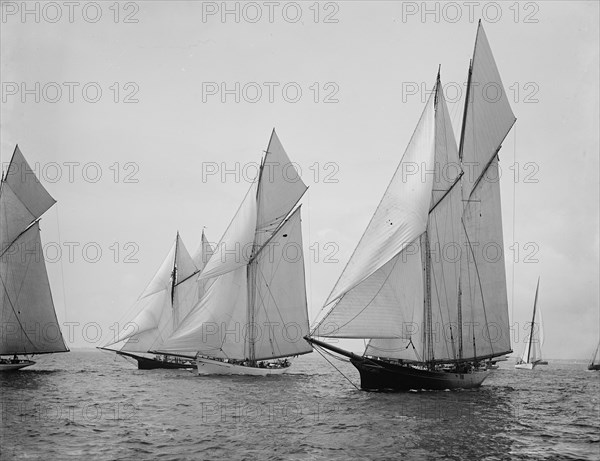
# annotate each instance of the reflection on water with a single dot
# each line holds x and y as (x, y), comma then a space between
(91, 404)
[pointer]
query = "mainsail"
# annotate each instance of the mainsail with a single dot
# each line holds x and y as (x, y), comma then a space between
(166, 301)
(421, 284)
(254, 307)
(28, 323)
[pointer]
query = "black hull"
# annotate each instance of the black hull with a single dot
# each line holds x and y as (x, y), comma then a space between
(594, 367)
(379, 375)
(145, 363)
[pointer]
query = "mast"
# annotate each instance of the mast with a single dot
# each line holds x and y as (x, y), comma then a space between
(174, 272)
(251, 270)
(427, 301)
(459, 317)
(533, 321)
(467, 96)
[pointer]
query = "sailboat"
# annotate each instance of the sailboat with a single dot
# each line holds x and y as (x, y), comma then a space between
(420, 285)
(595, 363)
(28, 323)
(254, 314)
(532, 354)
(163, 306)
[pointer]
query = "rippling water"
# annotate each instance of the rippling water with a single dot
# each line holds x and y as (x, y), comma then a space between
(93, 405)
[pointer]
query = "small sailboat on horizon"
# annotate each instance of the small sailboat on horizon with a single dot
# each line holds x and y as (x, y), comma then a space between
(162, 308)
(254, 314)
(594, 365)
(418, 309)
(28, 322)
(532, 354)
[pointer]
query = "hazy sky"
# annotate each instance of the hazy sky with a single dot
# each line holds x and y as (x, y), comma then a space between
(145, 157)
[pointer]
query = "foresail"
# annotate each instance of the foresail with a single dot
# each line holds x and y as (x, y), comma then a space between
(235, 247)
(387, 304)
(279, 190)
(28, 320)
(281, 313)
(163, 276)
(217, 325)
(402, 213)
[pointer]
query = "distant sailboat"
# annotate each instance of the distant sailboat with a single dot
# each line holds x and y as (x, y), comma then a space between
(532, 355)
(432, 317)
(28, 322)
(595, 363)
(254, 313)
(163, 306)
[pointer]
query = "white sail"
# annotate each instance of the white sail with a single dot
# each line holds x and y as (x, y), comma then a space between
(27, 317)
(29, 323)
(22, 201)
(163, 305)
(398, 220)
(443, 234)
(535, 337)
(203, 253)
(281, 313)
(251, 283)
(280, 189)
(235, 247)
(487, 122)
(217, 327)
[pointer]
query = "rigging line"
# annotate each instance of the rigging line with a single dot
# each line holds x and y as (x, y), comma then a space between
(338, 370)
(444, 285)
(62, 270)
(443, 333)
(13, 306)
(512, 313)
(482, 297)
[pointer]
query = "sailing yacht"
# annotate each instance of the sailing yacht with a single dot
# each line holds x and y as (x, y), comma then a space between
(595, 363)
(28, 323)
(532, 354)
(162, 308)
(421, 285)
(253, 315)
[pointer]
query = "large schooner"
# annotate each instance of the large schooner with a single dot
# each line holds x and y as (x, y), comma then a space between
(28, 323)
(426, 284)
(163, 306)
(254, 313)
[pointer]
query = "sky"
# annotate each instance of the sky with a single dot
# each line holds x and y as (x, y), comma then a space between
(147, 118)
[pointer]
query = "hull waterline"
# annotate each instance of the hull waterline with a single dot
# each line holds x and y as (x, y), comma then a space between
(379, 375)
(16, 366)
(207, 366)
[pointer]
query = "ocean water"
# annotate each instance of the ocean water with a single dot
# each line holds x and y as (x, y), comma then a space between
(92, 405)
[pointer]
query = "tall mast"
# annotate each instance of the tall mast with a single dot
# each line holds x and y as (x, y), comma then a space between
(467, 96)
(460, 331)
(251, 272)
(427, 311)
(533, 321)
